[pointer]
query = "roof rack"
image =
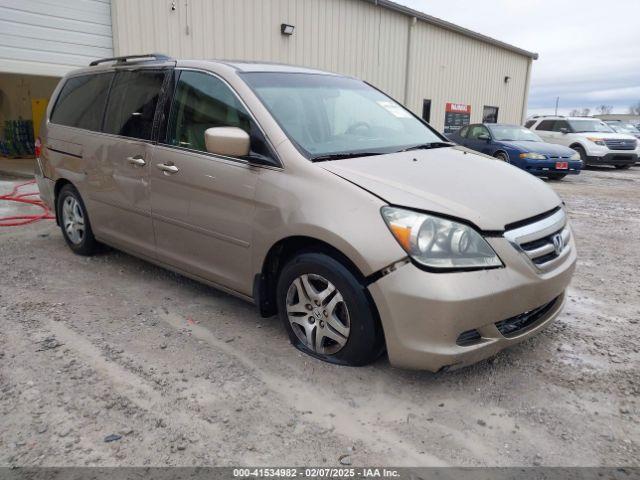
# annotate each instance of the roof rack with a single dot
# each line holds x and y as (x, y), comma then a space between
(125, 59)
(543, 116)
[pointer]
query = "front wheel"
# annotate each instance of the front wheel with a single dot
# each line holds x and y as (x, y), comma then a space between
(502, 156)
(581, 152)
(326, 312)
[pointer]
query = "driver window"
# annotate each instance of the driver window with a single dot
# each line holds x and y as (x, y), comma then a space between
(477, 130)
(202, 101)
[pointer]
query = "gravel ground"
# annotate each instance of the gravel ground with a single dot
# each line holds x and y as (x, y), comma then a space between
(111, 361)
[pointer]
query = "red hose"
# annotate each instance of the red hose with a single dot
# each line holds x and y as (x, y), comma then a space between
(14, 196)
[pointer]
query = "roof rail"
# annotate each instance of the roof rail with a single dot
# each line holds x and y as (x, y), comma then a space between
(124, 59)
(543, 116)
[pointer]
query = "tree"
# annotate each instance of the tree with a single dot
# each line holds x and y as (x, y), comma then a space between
(634, 109)
(575, 113)
(604, 109)
(585, 112)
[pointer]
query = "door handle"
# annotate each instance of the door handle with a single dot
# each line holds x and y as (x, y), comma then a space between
(167, 169)
(138, 160)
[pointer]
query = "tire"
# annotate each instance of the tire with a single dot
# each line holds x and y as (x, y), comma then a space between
(345, 314)
(557, 176)
(582, 153)
(622, 167)
(502, 156)
(74, 222)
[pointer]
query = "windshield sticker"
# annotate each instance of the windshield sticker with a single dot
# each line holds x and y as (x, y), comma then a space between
(394, 109)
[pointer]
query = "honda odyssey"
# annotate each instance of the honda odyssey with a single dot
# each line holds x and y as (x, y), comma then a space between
(313, 195)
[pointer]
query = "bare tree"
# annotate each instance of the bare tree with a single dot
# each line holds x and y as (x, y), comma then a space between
(604, 109)
(634, 109)
(575, 112)
(585, 112)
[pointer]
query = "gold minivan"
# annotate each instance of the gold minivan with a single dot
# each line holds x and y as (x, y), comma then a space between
(313, 195)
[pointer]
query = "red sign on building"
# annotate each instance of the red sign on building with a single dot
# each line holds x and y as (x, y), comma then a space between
(457, 115)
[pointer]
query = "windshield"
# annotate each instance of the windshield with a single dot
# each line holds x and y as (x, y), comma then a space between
(624, 127)
(580, 126)
(327, 115)
(513, 133)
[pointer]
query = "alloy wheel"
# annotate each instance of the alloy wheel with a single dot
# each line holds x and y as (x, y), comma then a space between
(73, 220)
(318, 314)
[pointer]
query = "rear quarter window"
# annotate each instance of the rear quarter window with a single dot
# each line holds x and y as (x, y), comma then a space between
(82, 101)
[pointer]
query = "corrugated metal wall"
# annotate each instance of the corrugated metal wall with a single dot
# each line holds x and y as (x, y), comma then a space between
(52, 37)
(348, 36)
(450, 67)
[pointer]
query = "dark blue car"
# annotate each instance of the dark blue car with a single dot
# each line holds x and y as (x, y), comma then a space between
(520, 147)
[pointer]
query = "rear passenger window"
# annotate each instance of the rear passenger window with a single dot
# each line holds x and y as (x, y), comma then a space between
(529, 123)
(560, 124)
(202, 101)
(82, 101)
(546, 125)
(132, 103)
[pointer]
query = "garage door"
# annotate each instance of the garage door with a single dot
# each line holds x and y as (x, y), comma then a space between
(51, 37)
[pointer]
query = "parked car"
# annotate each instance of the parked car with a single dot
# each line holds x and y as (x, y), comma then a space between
(619, 126)
(520, 147)
(593, 139)
(313, 195)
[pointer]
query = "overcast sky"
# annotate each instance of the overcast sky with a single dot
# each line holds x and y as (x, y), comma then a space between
(589, 49)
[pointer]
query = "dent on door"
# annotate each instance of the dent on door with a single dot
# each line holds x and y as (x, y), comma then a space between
(119, 192)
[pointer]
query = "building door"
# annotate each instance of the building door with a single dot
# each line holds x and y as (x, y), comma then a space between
(426, 110)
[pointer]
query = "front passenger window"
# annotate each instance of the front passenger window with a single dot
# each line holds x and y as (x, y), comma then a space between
(202, 101)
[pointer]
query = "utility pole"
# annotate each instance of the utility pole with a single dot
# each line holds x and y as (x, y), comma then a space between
(557, 101)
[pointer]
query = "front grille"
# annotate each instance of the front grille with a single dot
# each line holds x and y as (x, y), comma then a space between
(520, 323)
(545, 242)
(621, 144)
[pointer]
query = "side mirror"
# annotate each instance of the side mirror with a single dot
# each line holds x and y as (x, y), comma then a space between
(227, 141)
(484, 136)
(564, 131)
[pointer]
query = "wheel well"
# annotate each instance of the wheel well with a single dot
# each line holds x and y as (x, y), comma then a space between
(576, 145)
(61, 182)
(264, 287)
(502, 151)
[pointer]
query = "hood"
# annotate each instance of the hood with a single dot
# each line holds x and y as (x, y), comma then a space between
(451, 181)
(607, 135)
(541, 147)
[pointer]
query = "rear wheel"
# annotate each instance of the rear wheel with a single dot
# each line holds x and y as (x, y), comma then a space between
(622, 167)
(502, 156)
(74, 222)
(326, 312)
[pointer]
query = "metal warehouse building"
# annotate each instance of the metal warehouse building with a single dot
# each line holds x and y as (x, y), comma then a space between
(447, 74)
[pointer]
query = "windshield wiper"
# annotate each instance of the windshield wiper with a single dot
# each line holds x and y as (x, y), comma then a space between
(426, 146)
(341, 156)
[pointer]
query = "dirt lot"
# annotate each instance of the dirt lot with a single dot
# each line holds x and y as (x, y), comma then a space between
(183, 374)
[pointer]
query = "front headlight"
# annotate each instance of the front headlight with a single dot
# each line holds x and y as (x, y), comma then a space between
(575, 156)
(533, 156)
(597, 140)
(437, 242)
